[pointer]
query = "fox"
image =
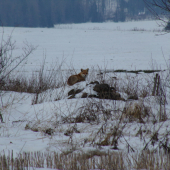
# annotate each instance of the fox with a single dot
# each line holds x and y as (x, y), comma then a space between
(78, 77)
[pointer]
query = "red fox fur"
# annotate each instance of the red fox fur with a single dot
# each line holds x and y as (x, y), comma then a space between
(77, 78)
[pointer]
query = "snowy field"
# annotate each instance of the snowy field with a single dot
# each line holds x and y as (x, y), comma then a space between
(139, 45)
(111, 45)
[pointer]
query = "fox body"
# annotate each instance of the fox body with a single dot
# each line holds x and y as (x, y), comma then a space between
(78, 77)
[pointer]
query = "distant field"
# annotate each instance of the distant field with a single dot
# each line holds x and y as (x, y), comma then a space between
(128, 45)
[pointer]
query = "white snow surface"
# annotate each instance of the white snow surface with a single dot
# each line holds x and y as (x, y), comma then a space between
(90, 45)
(105, 45)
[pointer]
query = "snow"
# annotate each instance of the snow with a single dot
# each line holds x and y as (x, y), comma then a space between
(96, 45)
(106, 46)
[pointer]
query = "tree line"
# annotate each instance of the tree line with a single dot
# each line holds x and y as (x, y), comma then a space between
(46, 13)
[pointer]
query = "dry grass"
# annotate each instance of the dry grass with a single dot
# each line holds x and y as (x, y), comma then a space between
(135, 111)
(19, 84)
(38, 82)
(85, 161)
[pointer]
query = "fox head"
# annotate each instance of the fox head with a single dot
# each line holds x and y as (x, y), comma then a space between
(84, 73)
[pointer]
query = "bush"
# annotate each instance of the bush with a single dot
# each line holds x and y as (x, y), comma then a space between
(167, 28)
(8, 62)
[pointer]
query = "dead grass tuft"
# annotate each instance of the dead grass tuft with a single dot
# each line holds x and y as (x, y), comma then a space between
(136, 112)
(89, 160)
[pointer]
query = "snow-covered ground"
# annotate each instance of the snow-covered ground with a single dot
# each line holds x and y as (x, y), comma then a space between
(132, 46)
(111, 45)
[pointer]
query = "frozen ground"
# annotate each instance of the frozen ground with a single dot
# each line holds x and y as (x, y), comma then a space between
(104, 45)
(111, 45)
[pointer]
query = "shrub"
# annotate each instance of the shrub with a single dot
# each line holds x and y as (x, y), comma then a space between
(167, 28)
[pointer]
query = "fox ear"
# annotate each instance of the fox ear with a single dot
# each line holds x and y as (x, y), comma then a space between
(87, 69)
(81, 69)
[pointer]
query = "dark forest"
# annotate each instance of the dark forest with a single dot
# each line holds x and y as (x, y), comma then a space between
(46, 13)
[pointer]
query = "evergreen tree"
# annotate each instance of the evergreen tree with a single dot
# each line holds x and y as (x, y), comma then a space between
(46, 13)
(120, 11)
(94, 14)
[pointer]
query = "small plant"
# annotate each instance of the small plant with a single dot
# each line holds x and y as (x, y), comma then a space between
(8, 62)
(1, 118)
(136, 112)
(167, 27)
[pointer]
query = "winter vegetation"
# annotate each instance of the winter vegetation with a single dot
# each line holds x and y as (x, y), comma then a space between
(164, 6)
(119, 118)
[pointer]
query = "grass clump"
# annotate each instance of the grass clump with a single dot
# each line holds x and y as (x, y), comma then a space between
(90, 160)
(137, 112)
